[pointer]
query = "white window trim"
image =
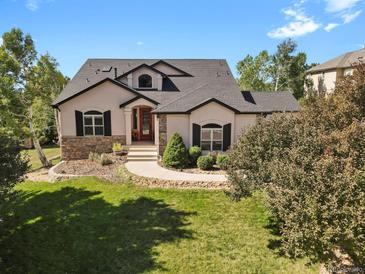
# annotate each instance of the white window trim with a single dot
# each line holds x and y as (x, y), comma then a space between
(93, 116)
(211, 138)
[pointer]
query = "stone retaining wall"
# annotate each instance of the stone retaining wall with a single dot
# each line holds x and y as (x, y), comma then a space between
(162, 136)
(79, 147)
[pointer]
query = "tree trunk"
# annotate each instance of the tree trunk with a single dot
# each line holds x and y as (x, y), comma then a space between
(277, 80)
(42, 157)
(57, 126)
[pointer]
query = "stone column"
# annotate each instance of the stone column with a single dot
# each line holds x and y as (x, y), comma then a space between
(128, 125)
(162, 137)
(156, 130)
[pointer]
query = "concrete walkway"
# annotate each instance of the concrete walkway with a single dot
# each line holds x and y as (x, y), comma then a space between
(151, 169)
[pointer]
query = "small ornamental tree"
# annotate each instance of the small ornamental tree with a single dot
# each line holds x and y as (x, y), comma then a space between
(312, 167)
(175, 154)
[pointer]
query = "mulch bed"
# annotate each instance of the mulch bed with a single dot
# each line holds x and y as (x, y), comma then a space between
(216, 170)
(87, 167)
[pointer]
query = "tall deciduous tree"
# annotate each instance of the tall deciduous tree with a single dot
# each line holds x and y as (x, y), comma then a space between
(26, 81)
(283, 70)
(254, 72)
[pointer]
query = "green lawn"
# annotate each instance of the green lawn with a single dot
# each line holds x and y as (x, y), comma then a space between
(33, 156)
(90, 226)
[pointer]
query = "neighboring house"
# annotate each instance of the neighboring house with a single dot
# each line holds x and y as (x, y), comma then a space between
(131, 100)
(324, 76)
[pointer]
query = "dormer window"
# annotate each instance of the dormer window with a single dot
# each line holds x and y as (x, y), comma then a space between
(145, 81)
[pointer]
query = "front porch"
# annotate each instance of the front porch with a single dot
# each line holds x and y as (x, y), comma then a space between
(140, 124)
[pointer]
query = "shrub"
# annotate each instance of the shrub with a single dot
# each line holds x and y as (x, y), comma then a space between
(12, 167)
(214, 154)
(222, 161)
(312, 167)
(117, 147)
(194, 153)
(93, 156)
(205, 162)
(175, 154)
(105, 160)
(102, 159)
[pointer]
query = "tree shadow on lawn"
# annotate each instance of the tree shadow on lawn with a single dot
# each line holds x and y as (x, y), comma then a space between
(76, 231)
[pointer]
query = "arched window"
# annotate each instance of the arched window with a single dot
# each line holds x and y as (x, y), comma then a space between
(145, 81)
(93, 123)
(212, 137)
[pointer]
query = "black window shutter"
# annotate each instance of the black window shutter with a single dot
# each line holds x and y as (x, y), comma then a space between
(79, 123)
(107, 123)
(226, 136)
(196, 135)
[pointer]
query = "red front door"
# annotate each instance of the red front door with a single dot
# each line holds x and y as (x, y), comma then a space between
(145, 124)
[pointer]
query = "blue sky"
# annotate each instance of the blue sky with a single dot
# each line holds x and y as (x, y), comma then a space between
(73, 31)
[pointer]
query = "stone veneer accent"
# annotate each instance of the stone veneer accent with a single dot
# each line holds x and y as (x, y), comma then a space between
(79, 147)
(162, 136)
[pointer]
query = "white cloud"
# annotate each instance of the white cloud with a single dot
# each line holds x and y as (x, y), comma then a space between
(340, 5)
(1, 41)
(300, 25)
(32, 5)
(349, 17)
(331, 26)
(140, 43)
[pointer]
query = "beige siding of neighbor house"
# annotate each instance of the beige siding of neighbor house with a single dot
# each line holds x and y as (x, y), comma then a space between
(179, 123)
(104, 97)
(325, 81)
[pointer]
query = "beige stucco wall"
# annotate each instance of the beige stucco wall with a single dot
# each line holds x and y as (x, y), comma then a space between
(329, 80)
(212, 113)
(156, 78)
(104, 97)
(179, 123)
(243, 123)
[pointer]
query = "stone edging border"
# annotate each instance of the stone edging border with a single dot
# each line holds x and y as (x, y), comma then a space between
(178, 184)
(145, 181)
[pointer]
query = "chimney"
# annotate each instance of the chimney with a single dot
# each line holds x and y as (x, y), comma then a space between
(115, 72)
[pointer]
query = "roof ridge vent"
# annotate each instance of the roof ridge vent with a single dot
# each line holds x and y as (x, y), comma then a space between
(218, 75)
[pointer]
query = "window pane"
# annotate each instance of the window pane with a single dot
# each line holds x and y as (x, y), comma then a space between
(205, 145)
(205, 134)
(145, 81)
(145, 123)
(88, 120)
(99, 130)
(98, 120)
(217, 134)
(217, 145)
(89, 131)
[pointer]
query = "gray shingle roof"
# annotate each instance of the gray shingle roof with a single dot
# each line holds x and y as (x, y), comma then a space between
(211, 80)
(343, 61)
